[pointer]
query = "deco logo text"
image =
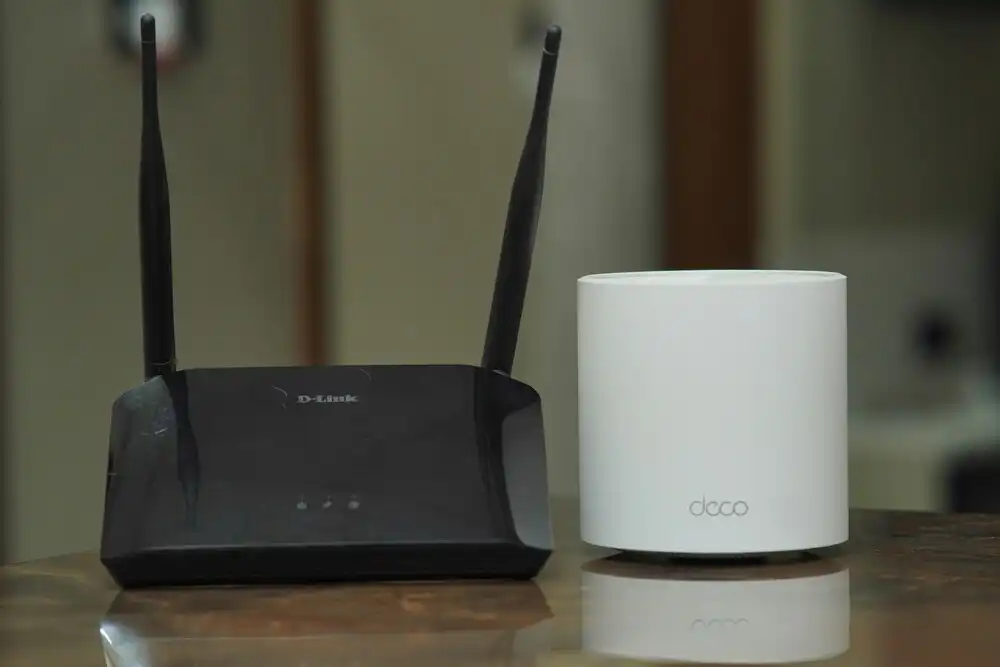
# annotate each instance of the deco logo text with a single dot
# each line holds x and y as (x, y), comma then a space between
(719, 624)
(705, 507)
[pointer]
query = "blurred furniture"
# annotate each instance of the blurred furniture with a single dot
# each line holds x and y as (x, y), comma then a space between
(911, 459)
(973, 482)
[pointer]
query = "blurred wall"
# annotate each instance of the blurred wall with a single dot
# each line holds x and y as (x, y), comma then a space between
(882, 160)
(894, 121)
(423, 142)
(429, 110)
(604, 192)
(71, 136)
(427, 123)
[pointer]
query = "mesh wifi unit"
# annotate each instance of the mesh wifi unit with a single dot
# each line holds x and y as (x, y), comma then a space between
(315, 474)
(713, 412)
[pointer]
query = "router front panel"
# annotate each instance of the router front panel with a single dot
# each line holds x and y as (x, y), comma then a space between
(306, 456)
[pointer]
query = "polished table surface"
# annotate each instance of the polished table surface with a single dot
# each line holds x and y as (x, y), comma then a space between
(911, 589)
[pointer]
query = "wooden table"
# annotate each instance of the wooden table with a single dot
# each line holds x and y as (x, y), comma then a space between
(911, 589)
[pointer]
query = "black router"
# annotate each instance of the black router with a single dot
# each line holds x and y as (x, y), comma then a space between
(287, 475)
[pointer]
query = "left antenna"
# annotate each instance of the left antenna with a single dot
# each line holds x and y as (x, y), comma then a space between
(154, 222)
(511, 284)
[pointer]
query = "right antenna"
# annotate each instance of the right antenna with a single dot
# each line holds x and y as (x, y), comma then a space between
(522, 221)
(154, 222)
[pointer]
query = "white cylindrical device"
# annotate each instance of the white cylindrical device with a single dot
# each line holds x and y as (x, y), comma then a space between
(713, 411)
(790, 614)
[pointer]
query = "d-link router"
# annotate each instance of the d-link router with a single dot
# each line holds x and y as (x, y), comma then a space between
(327, 473)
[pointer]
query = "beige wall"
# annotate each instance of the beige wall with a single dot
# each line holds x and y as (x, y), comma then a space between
(882, 118)
(429, 120)
(71, 126)
(424, 143)
(604, 192)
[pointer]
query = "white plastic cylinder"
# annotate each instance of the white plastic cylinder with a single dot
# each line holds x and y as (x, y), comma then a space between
(713, 411)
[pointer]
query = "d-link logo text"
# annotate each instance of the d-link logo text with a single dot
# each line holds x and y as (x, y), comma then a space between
(705, 507)
(346, 398)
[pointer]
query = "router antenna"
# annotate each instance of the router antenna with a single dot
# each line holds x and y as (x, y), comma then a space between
(522, 221)
(154, 222)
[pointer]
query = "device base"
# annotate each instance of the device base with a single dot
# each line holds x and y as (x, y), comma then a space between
(783, 557)
(324, 564)
(722, 559)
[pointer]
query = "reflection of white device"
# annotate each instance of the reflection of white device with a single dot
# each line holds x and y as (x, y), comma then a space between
(792, 613)
(713, 411)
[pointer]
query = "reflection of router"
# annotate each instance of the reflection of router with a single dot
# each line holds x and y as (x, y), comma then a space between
(771, 614)
(502, 624)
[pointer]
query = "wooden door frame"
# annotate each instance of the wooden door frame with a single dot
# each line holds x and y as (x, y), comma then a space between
(711, 133)
(309, 29)
(5, 499)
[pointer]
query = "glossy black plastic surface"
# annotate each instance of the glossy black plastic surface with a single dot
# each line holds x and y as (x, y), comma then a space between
(285, 475)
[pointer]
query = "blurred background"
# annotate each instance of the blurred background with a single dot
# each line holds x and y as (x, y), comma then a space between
(339, 174)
